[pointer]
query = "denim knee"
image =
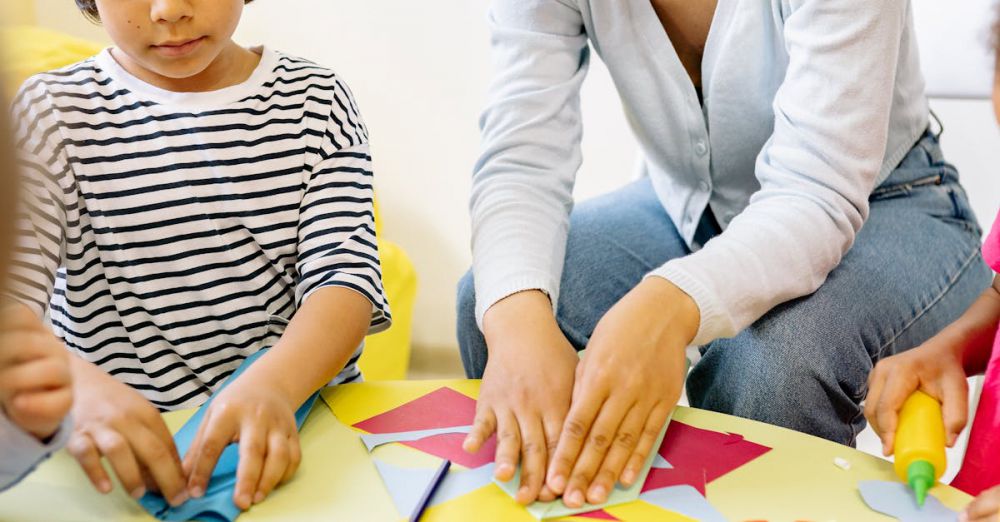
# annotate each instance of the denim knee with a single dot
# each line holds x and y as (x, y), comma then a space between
(471, 344)
(800, 376)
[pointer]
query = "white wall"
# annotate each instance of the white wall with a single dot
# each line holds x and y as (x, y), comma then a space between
(420, 70)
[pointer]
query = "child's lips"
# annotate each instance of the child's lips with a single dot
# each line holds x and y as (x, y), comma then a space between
(178, 48)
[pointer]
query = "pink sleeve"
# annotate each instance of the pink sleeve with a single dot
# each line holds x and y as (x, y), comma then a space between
(991, 248)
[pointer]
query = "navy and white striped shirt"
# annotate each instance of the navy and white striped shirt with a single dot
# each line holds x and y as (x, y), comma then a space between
(171, 235)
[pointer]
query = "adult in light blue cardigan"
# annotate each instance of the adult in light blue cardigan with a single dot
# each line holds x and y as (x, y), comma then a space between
(794, 218)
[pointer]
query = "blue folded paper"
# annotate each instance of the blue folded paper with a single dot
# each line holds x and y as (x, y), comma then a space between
(217, 503)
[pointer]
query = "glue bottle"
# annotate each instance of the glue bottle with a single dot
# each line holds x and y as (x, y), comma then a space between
(920, 443)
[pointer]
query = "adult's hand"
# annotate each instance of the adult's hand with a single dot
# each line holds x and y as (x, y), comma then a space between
(114, 421)
(525, 391)
(626, 386)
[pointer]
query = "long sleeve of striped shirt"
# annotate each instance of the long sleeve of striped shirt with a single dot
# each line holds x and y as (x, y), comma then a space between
(171, 235)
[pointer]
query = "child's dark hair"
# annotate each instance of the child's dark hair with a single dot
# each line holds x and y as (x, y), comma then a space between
(89, 9)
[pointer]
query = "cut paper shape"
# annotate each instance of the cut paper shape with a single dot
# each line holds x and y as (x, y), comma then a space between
(600, 514)
(685, 500)
(459, 483)
(700, 456)
(374, 440)
(619, 495)
(406, 486)
(442, 408)
(217, 503)
(661, 463)
(896, 500)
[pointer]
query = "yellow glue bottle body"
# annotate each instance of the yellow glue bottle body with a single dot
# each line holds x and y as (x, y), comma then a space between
(920, 443)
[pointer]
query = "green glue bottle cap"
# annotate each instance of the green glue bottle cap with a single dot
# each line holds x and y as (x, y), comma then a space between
(920, 475)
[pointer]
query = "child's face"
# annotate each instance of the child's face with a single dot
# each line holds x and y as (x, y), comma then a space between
(172, 38)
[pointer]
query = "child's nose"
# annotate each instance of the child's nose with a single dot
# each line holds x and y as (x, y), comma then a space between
(170, 11)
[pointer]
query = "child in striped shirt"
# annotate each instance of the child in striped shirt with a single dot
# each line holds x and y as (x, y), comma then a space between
(192, 202)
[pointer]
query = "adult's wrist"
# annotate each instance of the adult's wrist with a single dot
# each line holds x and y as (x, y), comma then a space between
(516, 313)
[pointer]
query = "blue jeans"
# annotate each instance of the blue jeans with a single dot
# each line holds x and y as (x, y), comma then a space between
(915, 267)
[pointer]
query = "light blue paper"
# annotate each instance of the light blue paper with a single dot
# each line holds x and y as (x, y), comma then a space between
(217, 503)
(897, 500)
(684, 500)
(619, 495)
(405, 485)
(374, 440)
(661, 463)
(458, 483)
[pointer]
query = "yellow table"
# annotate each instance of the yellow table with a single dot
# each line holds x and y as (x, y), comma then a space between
(797, 480)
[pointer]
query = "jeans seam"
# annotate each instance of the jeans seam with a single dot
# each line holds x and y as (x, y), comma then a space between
(944, 291)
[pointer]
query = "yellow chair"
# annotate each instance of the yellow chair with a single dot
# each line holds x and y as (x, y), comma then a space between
(29, 50)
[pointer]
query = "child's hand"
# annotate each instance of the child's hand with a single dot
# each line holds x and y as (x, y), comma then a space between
(35, 385)
(934, 367)
(115, 421)
(986, 507)
(264, 425)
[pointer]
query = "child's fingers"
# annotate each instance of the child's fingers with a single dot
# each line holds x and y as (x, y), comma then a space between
(508, 446)
(955, 406)
(533, 459)
(887, 410)
(482, 427)
(986, 507)
(43, 406)
(275, 465)
(84, 450)
(253, 450)
(876, 380)
(37, 374)
(160, 460)
(115, 447)
(295, 456)
(217, 433)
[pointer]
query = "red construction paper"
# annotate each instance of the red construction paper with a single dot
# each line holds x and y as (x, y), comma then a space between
(442, 408)
(700, 456)
(600, 514)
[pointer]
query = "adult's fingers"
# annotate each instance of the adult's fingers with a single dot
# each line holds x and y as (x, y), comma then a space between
(621, 449)
(650, 434)
(595, 448)
(275, 465)
(552, 422)
(483, 426)
(954, 406)
(533, 458)
(83, 448)
(508, 446)
(574, 434)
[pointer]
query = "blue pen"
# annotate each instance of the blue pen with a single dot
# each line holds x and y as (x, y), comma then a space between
(424, 500)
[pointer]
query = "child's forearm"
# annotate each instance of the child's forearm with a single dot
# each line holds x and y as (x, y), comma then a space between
(320, 339)
(973, 333)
